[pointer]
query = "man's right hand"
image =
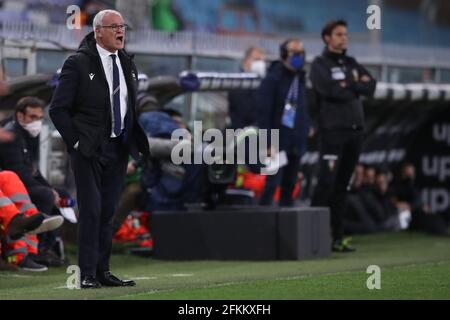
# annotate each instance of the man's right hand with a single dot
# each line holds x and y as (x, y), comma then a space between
(4, 89)
(6, 136)
(365, 78)
(271, 152)
(57, 197)
(402, 205)
(131, 168)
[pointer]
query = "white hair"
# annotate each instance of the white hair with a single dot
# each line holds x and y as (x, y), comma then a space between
(98, 19)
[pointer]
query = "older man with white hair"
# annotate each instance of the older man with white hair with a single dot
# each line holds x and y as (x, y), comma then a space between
(93, 108)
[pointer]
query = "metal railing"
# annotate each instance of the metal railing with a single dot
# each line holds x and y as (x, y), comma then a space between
(192, 43)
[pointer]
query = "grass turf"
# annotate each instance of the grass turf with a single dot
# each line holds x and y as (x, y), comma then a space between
(425, 281)
(413, 266)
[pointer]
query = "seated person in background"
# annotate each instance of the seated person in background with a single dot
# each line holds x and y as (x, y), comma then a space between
(21, 220)
(368, 182)
(358, 219)
(408, 200)
(21, 155)
(368, 195)
(370, 204)
(407, 195)
(388, 215)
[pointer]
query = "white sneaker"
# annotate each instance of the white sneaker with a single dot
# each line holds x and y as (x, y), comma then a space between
(68, 214)
(49, 224)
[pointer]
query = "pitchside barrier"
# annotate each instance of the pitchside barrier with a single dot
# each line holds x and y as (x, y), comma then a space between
(404, 123)
(242, 233)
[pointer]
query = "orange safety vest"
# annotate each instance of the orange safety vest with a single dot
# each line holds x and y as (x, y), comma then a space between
(8, 211)
(15, 199)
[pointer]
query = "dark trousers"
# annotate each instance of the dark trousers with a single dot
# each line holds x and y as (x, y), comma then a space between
(339, 154)
(286, 177)
(357, 219)
(129, 200)
(99, 181)
(44, 200)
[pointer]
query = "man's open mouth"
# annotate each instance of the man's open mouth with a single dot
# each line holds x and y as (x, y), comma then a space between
(120, 39)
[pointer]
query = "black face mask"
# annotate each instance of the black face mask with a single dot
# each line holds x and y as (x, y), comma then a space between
(408, 180)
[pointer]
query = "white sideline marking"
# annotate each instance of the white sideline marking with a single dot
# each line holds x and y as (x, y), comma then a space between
(15, 276)
(144, 278)
(136, 278)
(182, 275)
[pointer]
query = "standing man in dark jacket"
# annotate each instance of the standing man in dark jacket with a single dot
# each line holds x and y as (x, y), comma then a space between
(242, 104)
(339, 82)
(94, 110)
(283, 106)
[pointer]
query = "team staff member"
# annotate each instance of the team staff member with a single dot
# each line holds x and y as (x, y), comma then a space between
(283, 106)
(339, 82)
(94, 110)
(18, 216)
(242, 104)
(21, 155)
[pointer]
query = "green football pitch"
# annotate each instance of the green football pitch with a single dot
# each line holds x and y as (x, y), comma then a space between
(413, 266)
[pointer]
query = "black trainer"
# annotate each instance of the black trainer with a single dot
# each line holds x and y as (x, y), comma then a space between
(90, 283)
(27, 264)
(48, 258)
(22, 224)
(342, 245)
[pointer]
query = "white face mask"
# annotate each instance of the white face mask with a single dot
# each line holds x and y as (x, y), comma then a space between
(33, 128)
(258, 67)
